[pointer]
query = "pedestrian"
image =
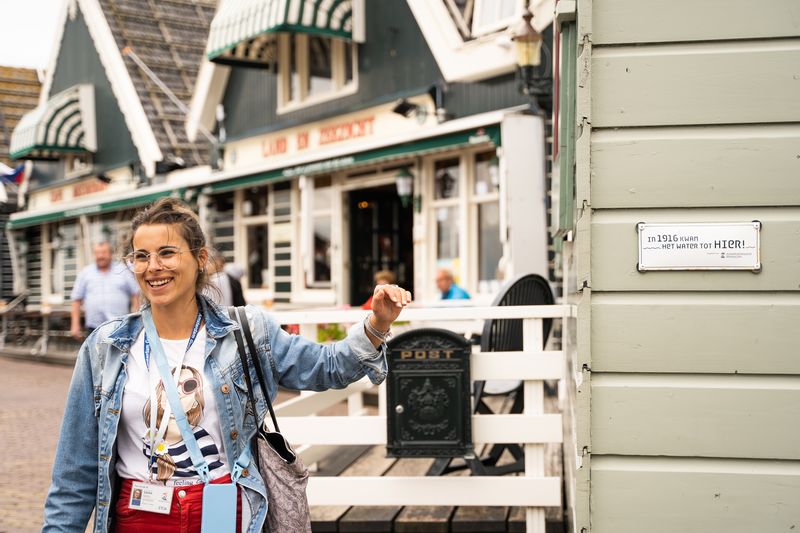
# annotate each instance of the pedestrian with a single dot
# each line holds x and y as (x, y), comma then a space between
(118, 434)
(235, 273)
(382, 277)
(447, 286)
(106, 289)
(220, 290)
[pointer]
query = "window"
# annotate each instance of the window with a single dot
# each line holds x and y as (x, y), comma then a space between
(267, 239)
(316, 207)
(258, 275)
(446, 184)
(493, 15)
(77, 165)
(63, 262)
(466, 220)
(314, 69)
(486, 200)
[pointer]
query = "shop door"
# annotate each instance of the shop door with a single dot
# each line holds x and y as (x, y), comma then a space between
(380, 239)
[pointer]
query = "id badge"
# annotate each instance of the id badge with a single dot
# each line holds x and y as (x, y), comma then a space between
(151, 498)
(219, 508)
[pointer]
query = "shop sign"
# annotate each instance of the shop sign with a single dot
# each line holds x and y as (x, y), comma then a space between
(68, 193)
(700, 246)
(347, 129)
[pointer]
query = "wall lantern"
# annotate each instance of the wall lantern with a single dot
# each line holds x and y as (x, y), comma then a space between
(532, 80)
(405, 185)
(410, 109)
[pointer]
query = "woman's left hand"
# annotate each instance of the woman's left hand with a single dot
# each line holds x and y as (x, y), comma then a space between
(387, 302)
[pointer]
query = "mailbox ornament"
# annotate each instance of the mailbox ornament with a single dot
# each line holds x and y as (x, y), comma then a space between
(428, 389)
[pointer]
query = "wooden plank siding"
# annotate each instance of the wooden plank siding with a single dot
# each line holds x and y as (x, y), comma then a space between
(696, 83)
(637, 21)
(734, 333)
(661, 495)
(616, 230)
(700, 166)
(690, 391)
(730, 416)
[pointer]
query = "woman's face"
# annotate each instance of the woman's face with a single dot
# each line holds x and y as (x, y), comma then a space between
(165, 286)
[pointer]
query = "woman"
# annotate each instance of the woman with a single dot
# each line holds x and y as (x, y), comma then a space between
(118, 435)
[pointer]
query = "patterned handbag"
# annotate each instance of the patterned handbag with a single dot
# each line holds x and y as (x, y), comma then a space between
(284, 473)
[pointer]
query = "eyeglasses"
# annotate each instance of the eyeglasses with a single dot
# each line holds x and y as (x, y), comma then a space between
(166, 258)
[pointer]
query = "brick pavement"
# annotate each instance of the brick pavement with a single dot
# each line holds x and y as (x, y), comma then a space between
(31, 405)
(32, 399)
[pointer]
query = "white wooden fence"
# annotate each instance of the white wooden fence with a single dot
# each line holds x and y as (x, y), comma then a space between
(319, 436)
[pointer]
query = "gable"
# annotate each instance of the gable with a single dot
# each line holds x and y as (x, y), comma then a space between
(78, 62)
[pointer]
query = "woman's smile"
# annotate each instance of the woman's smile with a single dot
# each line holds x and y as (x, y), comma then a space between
(158, 283)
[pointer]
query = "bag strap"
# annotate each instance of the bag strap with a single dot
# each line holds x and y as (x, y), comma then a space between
(257, 364)
(238, 314)
(243, 358)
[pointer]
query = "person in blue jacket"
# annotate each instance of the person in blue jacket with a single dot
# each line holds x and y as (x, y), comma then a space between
(118, 435)
(448, 287)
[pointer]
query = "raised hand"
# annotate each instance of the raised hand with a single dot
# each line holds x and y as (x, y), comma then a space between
(387, 302)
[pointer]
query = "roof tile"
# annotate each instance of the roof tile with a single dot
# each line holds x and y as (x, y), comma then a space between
(169, 36)
(19, 93)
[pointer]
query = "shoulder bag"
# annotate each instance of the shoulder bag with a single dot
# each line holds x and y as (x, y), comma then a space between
(283, 471)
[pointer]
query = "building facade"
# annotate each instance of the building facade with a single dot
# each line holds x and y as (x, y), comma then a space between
(320, 119)
(685, 121)
(107, 133)
(290, 140)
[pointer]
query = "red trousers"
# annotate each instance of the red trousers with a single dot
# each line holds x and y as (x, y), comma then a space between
(185, 515)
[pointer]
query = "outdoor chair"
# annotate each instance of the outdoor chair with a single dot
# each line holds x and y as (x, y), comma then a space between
(503, 335)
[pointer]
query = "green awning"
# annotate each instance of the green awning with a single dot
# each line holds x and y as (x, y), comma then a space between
(486, 134)
(103, 207)
(64, 124)
(244, 30)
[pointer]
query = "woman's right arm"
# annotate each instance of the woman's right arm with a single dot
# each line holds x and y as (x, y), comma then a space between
(73, 491)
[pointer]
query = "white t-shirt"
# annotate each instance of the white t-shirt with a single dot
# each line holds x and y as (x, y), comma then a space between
(197, 397)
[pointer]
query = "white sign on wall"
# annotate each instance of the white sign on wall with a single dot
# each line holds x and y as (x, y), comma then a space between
(700, 246)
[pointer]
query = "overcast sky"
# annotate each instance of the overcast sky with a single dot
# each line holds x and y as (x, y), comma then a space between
(27, 29)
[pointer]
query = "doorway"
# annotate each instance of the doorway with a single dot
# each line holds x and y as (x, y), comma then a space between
(380, 239)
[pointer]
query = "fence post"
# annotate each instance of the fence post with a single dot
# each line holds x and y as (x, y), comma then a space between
(532, 340)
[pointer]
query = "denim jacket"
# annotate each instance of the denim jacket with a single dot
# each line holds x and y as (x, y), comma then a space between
(84, 474)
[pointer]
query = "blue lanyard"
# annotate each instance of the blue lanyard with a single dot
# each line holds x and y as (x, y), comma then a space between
(198, 461)
(192, 338)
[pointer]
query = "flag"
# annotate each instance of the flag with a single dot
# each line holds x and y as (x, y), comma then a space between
(16, 176)
(12, 175)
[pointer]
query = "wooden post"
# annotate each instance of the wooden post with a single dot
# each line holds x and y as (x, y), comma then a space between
(532, 339)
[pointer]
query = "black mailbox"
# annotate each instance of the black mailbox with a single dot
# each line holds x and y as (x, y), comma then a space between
(428, 395)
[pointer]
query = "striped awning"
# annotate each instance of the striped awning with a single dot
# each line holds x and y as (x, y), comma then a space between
(243, 31)
(63, 124)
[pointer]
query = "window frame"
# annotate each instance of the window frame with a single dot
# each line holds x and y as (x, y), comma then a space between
(468, 203)
(475, 200)
(242, 226)
(565, 126)
(341, 87)
(479, 28)
(77, 164)
(461, 217)
(308, 213)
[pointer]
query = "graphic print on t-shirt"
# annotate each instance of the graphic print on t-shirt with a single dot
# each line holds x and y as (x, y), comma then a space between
(173, 459)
